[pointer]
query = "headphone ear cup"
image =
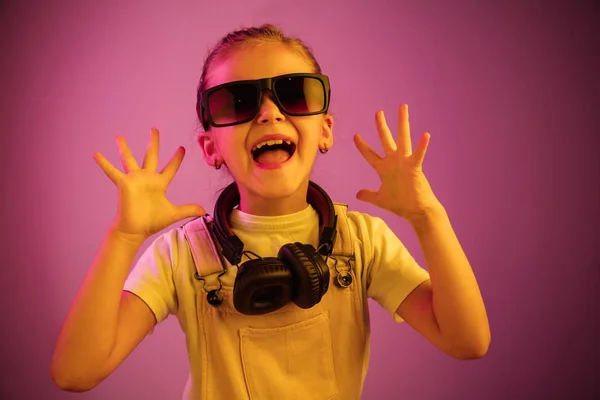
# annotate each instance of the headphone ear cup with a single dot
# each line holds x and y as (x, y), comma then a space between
(262, 286)
(311, 273)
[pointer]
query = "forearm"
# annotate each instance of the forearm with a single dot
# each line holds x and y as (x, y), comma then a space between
(88, 332)
(457, 303)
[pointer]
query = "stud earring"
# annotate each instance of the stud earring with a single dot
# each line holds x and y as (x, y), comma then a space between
(323, 151)
(216, 165)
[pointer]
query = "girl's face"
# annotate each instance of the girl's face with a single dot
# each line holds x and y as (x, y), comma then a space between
(272, 187)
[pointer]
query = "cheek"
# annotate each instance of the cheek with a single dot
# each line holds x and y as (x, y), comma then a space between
(310, 128)
(229, 139)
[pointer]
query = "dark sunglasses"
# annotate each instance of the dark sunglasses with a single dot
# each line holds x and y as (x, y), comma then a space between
(238, 102)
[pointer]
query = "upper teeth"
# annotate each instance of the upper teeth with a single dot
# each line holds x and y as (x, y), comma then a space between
(271, 143)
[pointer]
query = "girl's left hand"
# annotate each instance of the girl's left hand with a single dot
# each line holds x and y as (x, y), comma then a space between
(404, 189)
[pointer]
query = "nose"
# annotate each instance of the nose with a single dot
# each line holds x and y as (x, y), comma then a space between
(269, 111)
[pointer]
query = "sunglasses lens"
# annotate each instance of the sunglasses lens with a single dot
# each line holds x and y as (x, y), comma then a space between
(298, 95)
(233, 104)
(301, 95)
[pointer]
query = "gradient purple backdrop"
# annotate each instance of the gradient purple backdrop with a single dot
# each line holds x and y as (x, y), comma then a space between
(509, 93)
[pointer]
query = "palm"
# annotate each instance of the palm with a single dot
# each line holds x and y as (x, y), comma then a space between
(404, 189)
(143, 206)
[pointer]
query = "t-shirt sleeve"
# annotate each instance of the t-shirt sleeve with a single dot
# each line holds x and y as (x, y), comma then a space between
(392, 272)
(151, 279)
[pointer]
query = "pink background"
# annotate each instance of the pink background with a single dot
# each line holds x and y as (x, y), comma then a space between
(509, 94)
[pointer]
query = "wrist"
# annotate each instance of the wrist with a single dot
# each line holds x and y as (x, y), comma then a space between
(432, 215)
(127, 238)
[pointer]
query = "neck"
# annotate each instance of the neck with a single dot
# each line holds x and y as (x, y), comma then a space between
(279, 204)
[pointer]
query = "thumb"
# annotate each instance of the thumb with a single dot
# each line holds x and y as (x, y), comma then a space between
(367, 195)
(190, 210)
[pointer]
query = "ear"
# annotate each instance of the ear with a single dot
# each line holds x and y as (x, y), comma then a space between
(326, 132)
(209, 148)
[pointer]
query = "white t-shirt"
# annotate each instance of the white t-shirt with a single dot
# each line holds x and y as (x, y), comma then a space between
(292, 353)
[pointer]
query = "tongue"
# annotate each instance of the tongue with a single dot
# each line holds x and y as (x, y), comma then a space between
(273, 157)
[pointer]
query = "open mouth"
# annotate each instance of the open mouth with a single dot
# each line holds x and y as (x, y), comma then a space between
(272, 152)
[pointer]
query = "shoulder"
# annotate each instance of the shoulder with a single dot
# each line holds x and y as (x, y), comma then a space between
(360, 223)
(367, 233)
(167, 244)
(372, 234)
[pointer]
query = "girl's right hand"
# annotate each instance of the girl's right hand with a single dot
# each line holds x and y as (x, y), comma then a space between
(143, 208)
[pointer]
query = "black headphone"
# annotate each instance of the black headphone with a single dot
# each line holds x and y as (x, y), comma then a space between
(299, 273)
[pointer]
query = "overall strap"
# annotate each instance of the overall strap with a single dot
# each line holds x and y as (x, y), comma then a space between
(204, 253)
(343, 245)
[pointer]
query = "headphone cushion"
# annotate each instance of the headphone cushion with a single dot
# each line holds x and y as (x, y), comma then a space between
(256, 277)
(311, 273)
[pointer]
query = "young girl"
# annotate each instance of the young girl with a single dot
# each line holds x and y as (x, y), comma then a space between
(271, 290)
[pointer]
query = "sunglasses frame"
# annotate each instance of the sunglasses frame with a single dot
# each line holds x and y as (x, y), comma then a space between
(261, 84)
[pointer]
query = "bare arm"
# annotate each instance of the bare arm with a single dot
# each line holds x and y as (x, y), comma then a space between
(448, 310)
(94, 323)
(104, 324)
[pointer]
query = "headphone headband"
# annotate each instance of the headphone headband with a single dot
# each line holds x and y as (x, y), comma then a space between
(232, 247)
